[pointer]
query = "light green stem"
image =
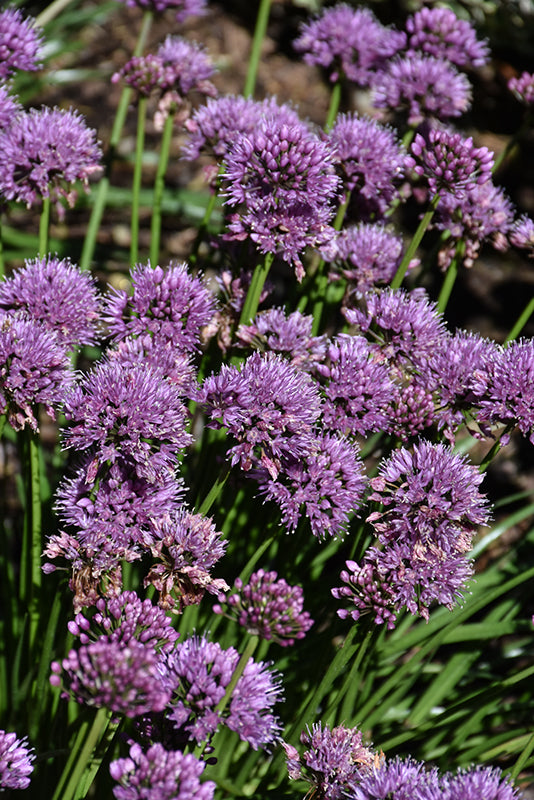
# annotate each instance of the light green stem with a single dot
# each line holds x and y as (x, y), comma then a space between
(159, 185)
(30, 573)
(335, 100)
(137, 179)
(259, 34)
(214, 492)
(70, 785)
(44, 224)
(257, 283)
(101, 192)
(202, 228)
(414, 244)
(51, 12)
(521, 321)
(490, 455)
(523, 758)
(448, 283)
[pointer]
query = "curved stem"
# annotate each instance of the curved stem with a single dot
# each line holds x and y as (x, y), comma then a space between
(44, 224)
(51, 11)
(137, 178)
(414, 244)
(214, 492)
(159, 185)
(490, 455)
(252, 300)
(521, 321)
(259, 33)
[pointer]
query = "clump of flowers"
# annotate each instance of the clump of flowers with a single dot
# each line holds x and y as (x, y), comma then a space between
(522, 234)
(268, 607)
(20, 43)
(523, 88)
(289, 335)
(16, 762)
(181, 8)
(440, 33)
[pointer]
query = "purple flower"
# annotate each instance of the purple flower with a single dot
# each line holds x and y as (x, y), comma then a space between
(478, 783)
(398, 779)
(510, 395)
(440, 33)
(34, 368)
(268, 405)
(422, 87)
(348, 42)
(124, 678)
(181, 8)
(172, 364)
(20, 43)
(482, 213)
(130, 414)
(370, 161)
(268, 607)
(358, 387)
(16, 762)
(523, 88)
(159, 774)
(366, 255)
(412, 409)
(186, 546)
(58, 294)
(43, 153)
(9, 107)
(199, 672)
(167, 306)
(449, 161)
(522, 234)
(327, 484)
(289, 335)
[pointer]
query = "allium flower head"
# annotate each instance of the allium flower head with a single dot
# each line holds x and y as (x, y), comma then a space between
(398, 779)
(267, 606)
(159, 774)
(130, 414)
(268, 405)
(16, 762)
(523, 88)
(181, 8)
(199, 671)
(9, 107)
(334, 763)
(510, 397)
(439, 32)
(43, 153)
(348, 42)
(169, 306)
(370, 161)
(34, 368)
(478, 783)
(449, 161)
(327, 484)
(522, 235)
(57, 293)
(422, 87)
(20, 43)
(289, 335)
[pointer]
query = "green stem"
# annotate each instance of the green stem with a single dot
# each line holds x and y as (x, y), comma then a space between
(352, 680)
(252, 299)
(159, 185)
(335, 100)
(30, 573)
(51, 12)
(44, 224)
(414, 244)
(449, 281)
(523, 758)
(518, 135)
(259, 34)
(202, 228)
(521, 321)
(42, 685)
(490, 455)
(214, 492)
(99, 205)
(85, 743)
(137, 179)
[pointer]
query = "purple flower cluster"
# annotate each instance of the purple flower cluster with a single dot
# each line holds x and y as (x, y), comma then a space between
(16, 762)
(348, 43)
(20, 43)
(43, 153)
(288, 335)
(334, 763)
(267, 606)
(282, 179)
(432, 508)
(523, 88)
(9, 107)
(159, 774)
(440, 33)
(522, 234)
(181, 8)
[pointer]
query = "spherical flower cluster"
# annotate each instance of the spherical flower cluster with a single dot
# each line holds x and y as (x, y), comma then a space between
(268, 405)
(473, 783)
(181, 8)
(439, 32)
(432, 508)
(422, 87)
(397, 779)
(16, 762)
(133, 415)
(348, 42)
(159, 774)
(268, 607)
(288, 335)
(282, 176)
(57, 293)
(34, 368)
(522, 234)
(523, 88)
(9, 107)
(199, 671)
(20, 43)
(370, 161)
(334, 763)
(43, 153)
(412, 408)
(166, 307)
(366, 255)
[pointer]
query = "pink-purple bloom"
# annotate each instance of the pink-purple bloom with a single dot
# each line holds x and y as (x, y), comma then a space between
(20, 43)
(522, 234)
(159, 774)
(289, 335)
(478, 783)
(439, 32)
(399, 779)
(523, 87)
(182, 9)
(57, 293)
(9, 107)
(16, 762)
(348, 42)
